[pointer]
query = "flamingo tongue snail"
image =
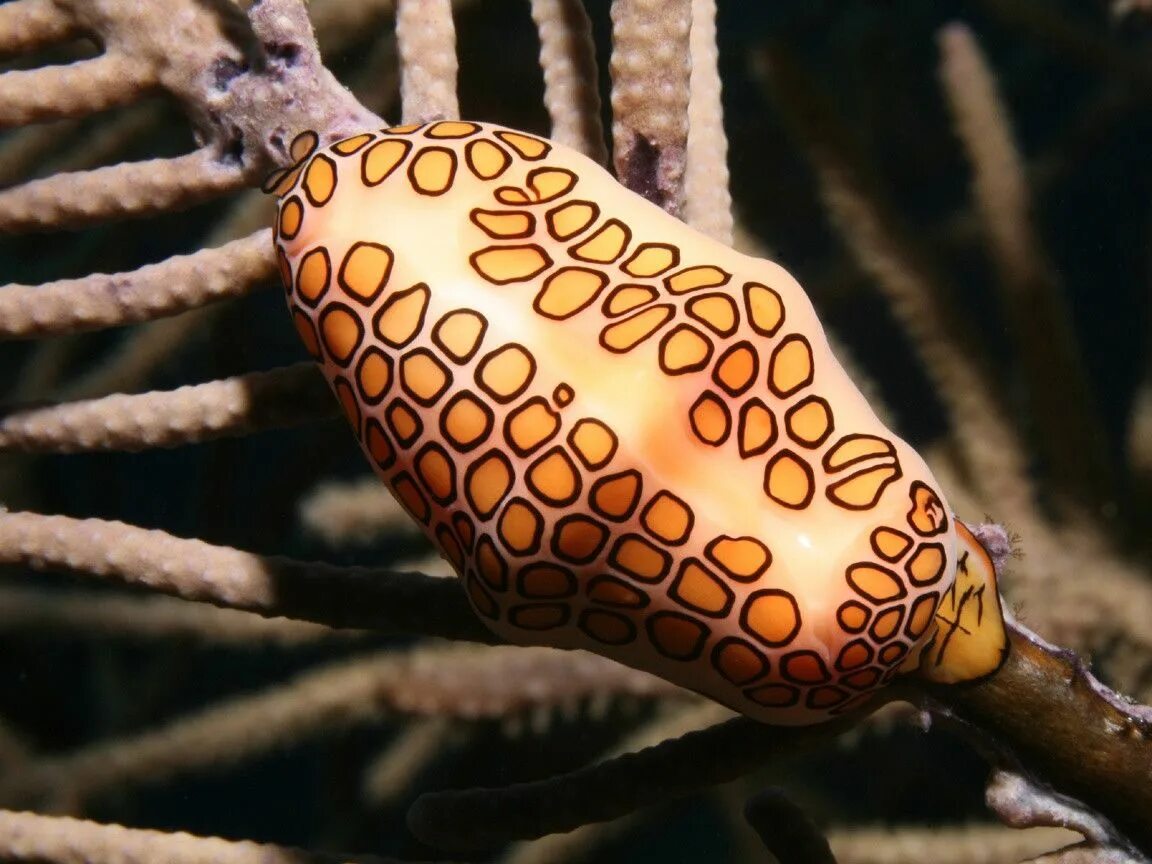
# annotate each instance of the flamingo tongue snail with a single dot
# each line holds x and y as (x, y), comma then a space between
(624, 436)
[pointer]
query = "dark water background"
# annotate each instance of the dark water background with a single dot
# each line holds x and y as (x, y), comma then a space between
(876, 62)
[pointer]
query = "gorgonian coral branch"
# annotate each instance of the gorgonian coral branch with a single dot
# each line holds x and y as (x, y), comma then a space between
(55, 92)
(1048, 710)
(31, 24)
(568, 58)
(198, 412)
(100, 300)
(104, 615)
(707, 192)
(28, 837)
(480, 818)
(426, 36)
(1043, 707)
(1036, 310)
(130, 189)
(650, 85)
(465, 682)
(358, 597)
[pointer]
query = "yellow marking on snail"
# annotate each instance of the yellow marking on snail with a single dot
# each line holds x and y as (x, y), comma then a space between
(624, 436)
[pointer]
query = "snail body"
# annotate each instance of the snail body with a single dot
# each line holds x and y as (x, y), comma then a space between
(624, 436)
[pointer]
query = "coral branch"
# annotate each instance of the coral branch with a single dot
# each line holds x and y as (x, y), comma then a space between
(1042, 333)
(969, 844)
(198, 412)
(426, 35)
(392, 772)
(481, 818)
(291, 91)
(568, 58)
(130, 189)
(109, 300)
(650, 82)
(130, 364)
(786, 830)
(707, 197)
(353, 512)
(353, 597)
(883, 249)
(100, 615)
(1042, 706)
(26, 25)
(57, 840)
(456, 682)
(1064, 726)
(578, 845)
(54, 92)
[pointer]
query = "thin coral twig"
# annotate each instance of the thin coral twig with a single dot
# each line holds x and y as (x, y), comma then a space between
(707, 197)
(967, 844)
(786, 830)
(72, 90)
(361, 598)
(130, 189)
(353, 512)
(157, 290)
(388, 776)
(568, 58)
(26, 25)
(481, 818)
(29, 837)
(197, 412)
(650, 84)
(82, 614)
(455, 682)
(578, 845)
(1043, 337)
(426, 35)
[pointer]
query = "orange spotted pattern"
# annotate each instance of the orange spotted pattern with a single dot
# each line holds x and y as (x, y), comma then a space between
(623, 436)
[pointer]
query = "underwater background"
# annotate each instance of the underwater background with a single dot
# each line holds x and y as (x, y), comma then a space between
(1075, 79)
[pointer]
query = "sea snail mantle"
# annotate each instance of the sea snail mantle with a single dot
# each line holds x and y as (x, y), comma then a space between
(624, 436)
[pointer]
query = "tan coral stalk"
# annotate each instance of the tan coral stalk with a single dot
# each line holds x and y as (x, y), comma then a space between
(79, 88)
(966, 844)
(271, 586)
(427, 39)
(1042, 331)
(180, 283)
(198, 412)
(650, 75)
(57, 840)
(568, 59)
(26, 25)
(119, 191)
(352, 512)
(393, 771)
(456, 682)
(98, 615)
(707, 199)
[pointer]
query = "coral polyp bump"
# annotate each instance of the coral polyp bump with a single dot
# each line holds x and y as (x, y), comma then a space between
(624, 436)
